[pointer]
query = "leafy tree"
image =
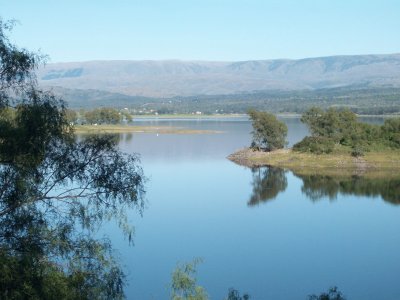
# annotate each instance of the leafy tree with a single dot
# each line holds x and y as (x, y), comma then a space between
(268, 132)
(235, 295)
(315, 144)
(184, 286)
(312, 119)
(103, 116)
(51, 185)
(338, 125)
(127, 115)
(391, 131)
(332, 294)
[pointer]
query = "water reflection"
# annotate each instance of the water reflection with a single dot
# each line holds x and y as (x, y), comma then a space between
(268, 182)
(128, 137)
(317, 187)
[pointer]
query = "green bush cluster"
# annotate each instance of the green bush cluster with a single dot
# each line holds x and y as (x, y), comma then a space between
(391, 131)
(357, 151)
(315, 144)
(103, 115)
(341, 127)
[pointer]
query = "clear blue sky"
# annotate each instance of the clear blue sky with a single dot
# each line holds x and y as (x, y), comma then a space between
(204, 29)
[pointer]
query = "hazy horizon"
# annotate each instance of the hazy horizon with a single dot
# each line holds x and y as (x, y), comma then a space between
(219, 61)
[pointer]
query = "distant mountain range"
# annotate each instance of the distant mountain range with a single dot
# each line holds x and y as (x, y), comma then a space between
(171, 78)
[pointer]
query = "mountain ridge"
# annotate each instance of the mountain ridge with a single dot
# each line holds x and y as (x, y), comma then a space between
(169, 78)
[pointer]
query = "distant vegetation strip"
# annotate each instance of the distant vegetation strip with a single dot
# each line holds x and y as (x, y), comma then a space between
(188, 116)
(359, 99)
(96, 129)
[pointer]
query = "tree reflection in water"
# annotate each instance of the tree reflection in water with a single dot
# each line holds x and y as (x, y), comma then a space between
(128, 137)
(318, 186)
(267, 183)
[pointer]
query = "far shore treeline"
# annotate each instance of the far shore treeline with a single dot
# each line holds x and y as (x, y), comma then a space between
(361, 100)
(114, 115)
(99, 116)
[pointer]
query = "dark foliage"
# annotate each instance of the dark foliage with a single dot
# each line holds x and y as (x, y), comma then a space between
(338, 125)
(55, 190)
(341, 127)
(357, 151)
(235, 295)
(332, 294)
(391, 131)
(317, 145)
(103, 116)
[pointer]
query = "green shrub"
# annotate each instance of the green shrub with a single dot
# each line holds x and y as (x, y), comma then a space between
(359, 148)
(341, 127)
(357, 151)
(316, 145)
(391, 132)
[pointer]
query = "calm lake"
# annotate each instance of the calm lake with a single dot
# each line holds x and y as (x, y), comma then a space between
(267, 232)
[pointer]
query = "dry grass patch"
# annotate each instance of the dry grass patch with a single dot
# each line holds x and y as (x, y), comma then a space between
(373, 164)
(98, 129)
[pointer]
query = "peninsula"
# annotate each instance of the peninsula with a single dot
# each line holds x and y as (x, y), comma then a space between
(338, 145)
(372, 164)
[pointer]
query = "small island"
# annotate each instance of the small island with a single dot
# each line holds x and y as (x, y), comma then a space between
(339, 145)
(107, 120)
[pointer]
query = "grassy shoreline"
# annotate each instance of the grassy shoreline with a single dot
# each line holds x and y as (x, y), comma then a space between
(238, 115)
(188, 116)
(375, 164)
(98, 129)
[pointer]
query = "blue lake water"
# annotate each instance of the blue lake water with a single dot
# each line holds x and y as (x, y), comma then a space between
(275, 242)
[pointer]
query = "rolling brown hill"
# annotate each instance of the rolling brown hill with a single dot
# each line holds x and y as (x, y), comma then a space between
(187, 78)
